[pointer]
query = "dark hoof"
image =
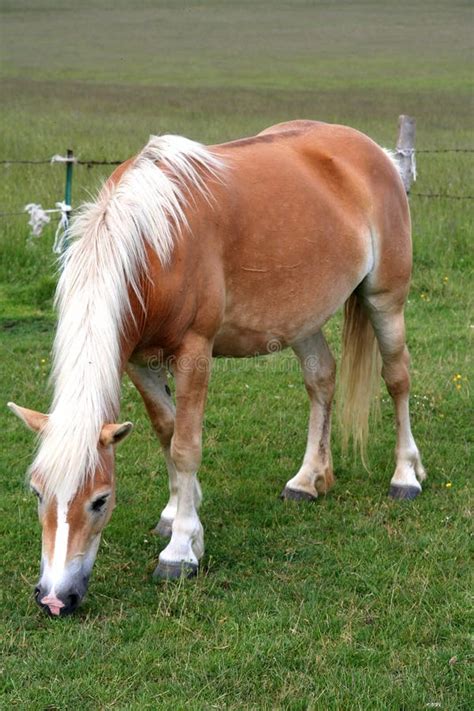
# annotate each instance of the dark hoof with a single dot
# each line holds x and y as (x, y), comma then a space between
(296, 495)
(174, 571)
(163, 528)
(403, 492)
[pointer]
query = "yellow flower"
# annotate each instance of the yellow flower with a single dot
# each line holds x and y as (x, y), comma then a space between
(448, 485)
(445, 279)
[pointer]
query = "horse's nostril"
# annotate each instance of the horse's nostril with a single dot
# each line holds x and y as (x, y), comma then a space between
(73, 601)
(37, 593)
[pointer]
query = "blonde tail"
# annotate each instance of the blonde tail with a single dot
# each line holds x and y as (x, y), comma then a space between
(359, 378)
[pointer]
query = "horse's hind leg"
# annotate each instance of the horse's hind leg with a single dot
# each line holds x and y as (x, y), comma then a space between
(319, 369)
(389, 326)
(152, 384)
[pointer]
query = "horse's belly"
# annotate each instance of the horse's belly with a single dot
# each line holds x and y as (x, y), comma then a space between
(236, 341)
(272, 303)
(268, 330)
(259, 321)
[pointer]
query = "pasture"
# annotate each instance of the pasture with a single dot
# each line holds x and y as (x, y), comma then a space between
(355, 601)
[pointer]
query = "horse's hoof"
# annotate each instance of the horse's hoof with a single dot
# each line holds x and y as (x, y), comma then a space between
(403, 492)
(174, 571)
(296, 495)
(163, 528)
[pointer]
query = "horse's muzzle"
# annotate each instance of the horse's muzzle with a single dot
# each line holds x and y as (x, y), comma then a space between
(61, 604)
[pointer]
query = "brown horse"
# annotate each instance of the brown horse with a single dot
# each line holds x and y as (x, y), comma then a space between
(191, 252)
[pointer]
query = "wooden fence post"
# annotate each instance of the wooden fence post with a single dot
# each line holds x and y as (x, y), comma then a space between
(405, 151)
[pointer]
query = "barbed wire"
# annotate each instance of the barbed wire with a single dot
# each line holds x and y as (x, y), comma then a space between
(76, 161)
(441, 195)
(444, 150)
(25, 162)
(92, 161)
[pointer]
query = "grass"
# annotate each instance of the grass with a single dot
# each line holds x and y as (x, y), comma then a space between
(357, 601)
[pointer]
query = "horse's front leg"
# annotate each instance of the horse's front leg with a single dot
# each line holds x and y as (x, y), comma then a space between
(191, 369)
(151, 381)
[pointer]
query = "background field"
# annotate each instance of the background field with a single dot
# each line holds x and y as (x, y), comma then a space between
(354, 602)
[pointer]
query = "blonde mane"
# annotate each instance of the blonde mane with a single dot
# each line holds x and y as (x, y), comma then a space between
(106, 259)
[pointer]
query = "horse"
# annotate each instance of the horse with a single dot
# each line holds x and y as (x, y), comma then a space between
(190, 252)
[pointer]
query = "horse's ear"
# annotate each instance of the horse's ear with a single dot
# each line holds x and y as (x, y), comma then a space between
(36, 421)
(113, 434)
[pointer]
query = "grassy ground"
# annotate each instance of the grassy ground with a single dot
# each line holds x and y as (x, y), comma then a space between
(354, 602)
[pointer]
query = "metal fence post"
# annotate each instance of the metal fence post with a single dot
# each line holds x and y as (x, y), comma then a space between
(69, 167)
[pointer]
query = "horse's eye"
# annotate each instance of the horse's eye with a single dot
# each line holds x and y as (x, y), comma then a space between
(36, 493)
(99, 503)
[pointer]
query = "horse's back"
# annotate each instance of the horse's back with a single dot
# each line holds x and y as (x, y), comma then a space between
(331, 157)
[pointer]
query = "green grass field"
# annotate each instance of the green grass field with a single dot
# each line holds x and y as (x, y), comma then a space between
(355, 602)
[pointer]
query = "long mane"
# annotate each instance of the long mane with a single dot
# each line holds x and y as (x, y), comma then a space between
(105, 261)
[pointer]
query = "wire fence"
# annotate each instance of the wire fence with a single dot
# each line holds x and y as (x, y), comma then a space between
(92, 162)
(48, 161)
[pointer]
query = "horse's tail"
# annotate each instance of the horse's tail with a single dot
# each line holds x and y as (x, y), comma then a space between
(359, 378)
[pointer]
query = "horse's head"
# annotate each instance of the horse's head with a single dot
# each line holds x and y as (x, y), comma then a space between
(72, 524)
